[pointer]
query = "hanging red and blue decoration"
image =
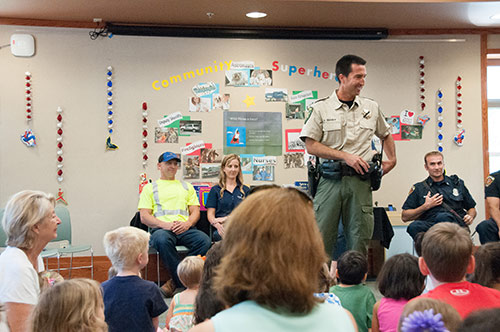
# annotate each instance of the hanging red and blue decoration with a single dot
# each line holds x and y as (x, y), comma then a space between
(28, 138)
(440, 120)
(109, 83)
(460, 135)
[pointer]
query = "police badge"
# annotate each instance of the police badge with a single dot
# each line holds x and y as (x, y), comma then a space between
(489, 180)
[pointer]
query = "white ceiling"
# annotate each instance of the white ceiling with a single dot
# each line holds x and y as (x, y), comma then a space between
(281, 13)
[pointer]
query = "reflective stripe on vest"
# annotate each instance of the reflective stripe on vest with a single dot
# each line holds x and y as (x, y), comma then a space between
(159, 209)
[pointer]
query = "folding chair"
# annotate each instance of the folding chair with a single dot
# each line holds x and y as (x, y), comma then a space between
(64, 234)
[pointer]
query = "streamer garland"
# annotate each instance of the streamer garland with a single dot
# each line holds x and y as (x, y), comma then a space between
(459, 137)
(109, 144)
(28, 138)
(440, 120)
(144, 134)
(422, 82)
(59, 140)
(28, 97)
(59, 154)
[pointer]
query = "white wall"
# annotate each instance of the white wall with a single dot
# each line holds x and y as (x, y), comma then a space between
(69, 70)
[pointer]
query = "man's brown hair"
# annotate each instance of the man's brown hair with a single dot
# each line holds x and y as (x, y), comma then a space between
(432, 153)
(273, 252)
(447, 250)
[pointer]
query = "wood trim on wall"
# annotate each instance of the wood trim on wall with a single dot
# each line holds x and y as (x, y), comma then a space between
(50, 23)
(101, 267)
(482, 31)
(484, 110)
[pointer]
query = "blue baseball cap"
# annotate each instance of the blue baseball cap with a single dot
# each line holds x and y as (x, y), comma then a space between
(167, 156)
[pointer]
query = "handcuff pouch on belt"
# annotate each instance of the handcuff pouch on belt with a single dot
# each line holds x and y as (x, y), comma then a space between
(335, 170)
(376, 172)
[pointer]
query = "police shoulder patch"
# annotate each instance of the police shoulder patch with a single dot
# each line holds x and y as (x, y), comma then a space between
(411, 190)
(489, 180)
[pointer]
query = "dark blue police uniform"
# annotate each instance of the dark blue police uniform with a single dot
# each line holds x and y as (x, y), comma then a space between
(225, 205)
(455, 194)
(488, 229)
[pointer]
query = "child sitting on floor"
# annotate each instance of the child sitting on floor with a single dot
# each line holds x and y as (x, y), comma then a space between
(481, 320)
(48, 279)
(207, 304)
(180, 312)
(71, 305)
(130, 303)
(325, 282)
(352, 268)
(428, 315)
(447, 256)
(399, 281)
(487, 271)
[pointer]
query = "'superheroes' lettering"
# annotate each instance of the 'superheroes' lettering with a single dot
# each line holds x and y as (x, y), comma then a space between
(159, 84)
(292, 70)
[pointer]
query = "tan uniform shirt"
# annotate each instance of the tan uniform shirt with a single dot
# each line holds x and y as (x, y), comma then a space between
(333, 124)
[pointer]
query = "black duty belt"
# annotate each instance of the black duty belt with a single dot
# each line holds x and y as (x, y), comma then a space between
(331, 169)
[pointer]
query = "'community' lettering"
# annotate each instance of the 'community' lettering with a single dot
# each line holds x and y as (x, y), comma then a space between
(159, 84)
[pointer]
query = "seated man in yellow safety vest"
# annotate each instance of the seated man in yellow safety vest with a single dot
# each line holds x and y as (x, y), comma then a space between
(170, 208)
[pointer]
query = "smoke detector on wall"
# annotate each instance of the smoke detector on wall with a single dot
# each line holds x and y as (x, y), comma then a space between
(22, 45)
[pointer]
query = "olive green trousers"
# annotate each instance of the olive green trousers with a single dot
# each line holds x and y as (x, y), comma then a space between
(348, 199)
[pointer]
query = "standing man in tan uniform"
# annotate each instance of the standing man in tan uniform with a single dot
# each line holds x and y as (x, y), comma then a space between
(339, 130)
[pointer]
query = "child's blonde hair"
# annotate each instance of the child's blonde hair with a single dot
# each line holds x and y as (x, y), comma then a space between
(428, 310)
(123, 246)
(48, 279)
(74, 305)
(190, 270)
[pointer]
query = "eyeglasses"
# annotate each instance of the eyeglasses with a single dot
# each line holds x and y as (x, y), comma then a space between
(301, 193)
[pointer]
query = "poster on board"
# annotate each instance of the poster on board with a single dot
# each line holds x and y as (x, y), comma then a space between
(253, 133)
(247, 162)
(293, 141)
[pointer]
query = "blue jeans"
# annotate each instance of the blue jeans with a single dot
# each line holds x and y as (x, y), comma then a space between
(488, 231)
(165, 241)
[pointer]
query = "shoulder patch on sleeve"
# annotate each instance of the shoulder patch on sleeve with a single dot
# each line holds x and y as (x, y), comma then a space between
(489, 180)
(411, 190)
(309, 112)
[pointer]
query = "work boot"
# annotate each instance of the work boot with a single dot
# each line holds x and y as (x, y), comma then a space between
(168, 288)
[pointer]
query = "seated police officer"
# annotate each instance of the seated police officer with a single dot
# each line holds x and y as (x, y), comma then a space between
(437, 199)
(488, 230)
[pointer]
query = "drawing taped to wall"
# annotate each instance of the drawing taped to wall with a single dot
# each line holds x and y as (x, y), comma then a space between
(166, 135)
(261, 77)
(187, 127)
(294, 159)
(237, 77)
(221, 102)
(191, 167)
(274, 94)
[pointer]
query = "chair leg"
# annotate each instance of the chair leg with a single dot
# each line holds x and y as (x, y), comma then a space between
(158, 268)
(70, 265)
(92, 264)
